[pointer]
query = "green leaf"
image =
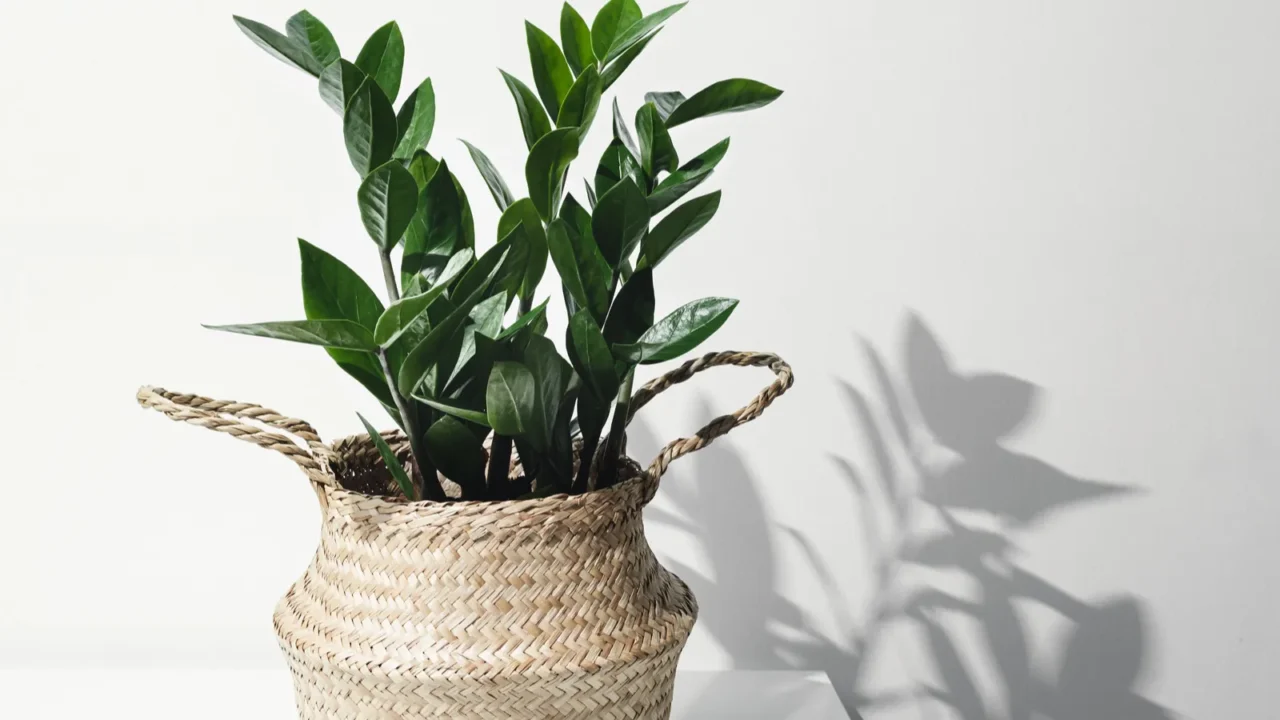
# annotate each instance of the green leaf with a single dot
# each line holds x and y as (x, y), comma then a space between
(551, 73)
(382, 58)
(657, 152)
(474, 416)
(597, 276)
(724, 97)
(389, 459)
(632, 312)
(533, 119)
(677, 227)
(416, 120)
(612, 20)
(500, 270)
(397, 318)
(342, 334)
(312, 36)
(582, 101)
(583, 271)
(546, 168)
(591, 193)
(666, 102)
(689, 176)
(523, 212)
(436, 231)
(614, 70)
(576, 38)
(388, 199)
(497, 186)
(459, 454)
(620, 220)
(488, 315)
(369, 126)
(561, 248)
(616, 164)
(679, 332)
(637, 30)
(534, 318)
(422, 167)
(621, 132)
(551, 379)
(424, 357)
(589, 353)
(511, 399)
(339, 82)
(279, 45)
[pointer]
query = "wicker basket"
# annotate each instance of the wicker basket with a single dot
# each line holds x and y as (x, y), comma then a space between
(529, 609)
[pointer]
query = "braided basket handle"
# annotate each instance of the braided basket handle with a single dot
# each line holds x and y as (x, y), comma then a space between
(723, 424)
(224, 415)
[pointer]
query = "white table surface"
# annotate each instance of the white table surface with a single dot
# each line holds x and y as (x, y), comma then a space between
(266, 694)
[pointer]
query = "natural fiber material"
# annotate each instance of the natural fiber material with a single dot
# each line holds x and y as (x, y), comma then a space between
(527, 609)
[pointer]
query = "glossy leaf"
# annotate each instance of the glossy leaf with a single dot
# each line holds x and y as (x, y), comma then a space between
(665, 102)
(497, 186)
(511, 399)
(424, 357)
(422, 167)
(723, 97)
(591, 193)
(388, 199)
(488, 315)
(689, 176)
(552, 376)
(342, 334)
(389, 459)
(397, 318)
(436, 233)
(551, 74)
(312, 36)
(677, 227)
(500, 269)
(637, 30)
(369, 126)
(679, 332)
(339, 81)
(616, 164)
(575, 36)
(593, 269)
(416, 120)
(522, 212)
(382, 58)
(533, 119)
(535, 318)
(621, 132)
(474, 416)
(657, 152)
(546, 168)
(581, 102)
(589, 353)
(620, 220)
(279, 45)
(613, 20)
(458, 453)
(614, 70)
(562, 255)
(632, 312)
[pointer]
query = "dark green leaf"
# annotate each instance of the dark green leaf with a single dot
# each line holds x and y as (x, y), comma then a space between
(533, 119)
(657, 152)
(632, 312)
(689, 176)
(342, 334)
(435, 234)
(581, 102)
(369, 126)
(679, 332)
(523, 212)
(616, 164)
(551, 73)
(382, 58)
(546, 168)
(474, 416)
(666, 102)
(576, 38)
(458, 453)
(416, 120)
(597, 276)
(422, 167)
(312, 36)
(338, 83)
(620, 220)
(500, 270)
(397, 318)
(389, 459)
(591, 193)
(589, 353)
(534, 318)
(497, 186)
(424, 357)
(621, 132)
(279, 45)
(724, 97)
(677, 227)
(551, 377)
(511, 399)
(488, 315)
(388, 199)
(612, 20)
(615, 69)
(637, 30)
(561, 248)
(583, 271)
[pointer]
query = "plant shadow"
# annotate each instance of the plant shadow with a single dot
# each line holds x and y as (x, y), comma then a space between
(941, 507)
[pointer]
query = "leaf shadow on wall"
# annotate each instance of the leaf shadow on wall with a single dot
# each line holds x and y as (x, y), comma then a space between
(944, 500)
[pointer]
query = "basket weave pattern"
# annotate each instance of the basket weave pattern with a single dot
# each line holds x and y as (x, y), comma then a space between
(529, 609)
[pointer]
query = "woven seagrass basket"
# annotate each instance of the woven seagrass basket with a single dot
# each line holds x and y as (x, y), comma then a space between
(520, 610)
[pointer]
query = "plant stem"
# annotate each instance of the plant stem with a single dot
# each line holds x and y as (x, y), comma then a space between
(389, 275)
(617, 433)
(430, 489)
(500, 448)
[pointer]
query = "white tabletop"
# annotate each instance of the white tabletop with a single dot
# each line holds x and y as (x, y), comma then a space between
(266, 694)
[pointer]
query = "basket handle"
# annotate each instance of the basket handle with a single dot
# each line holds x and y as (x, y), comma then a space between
(223, 416)
(723, 424)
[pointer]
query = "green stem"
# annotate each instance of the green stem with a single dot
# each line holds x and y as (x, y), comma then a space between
(617, 432)
(430, 489)
(389, 275)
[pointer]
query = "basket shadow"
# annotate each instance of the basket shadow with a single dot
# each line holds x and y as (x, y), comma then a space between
(942, 500)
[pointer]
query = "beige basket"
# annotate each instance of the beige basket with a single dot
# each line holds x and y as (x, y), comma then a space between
(529, 609)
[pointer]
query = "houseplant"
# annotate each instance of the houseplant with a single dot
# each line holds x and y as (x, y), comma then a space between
(487, 558)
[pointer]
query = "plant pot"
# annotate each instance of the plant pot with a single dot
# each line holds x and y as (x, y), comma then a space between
(527, 609)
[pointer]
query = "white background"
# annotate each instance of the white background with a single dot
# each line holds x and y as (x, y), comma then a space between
(1081, 194)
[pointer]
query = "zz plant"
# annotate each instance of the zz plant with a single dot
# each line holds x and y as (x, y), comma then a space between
(440, 355)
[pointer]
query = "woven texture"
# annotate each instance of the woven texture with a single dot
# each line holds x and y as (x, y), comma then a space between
(519, 610)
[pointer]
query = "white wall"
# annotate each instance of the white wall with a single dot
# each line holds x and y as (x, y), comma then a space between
(1081, 194)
